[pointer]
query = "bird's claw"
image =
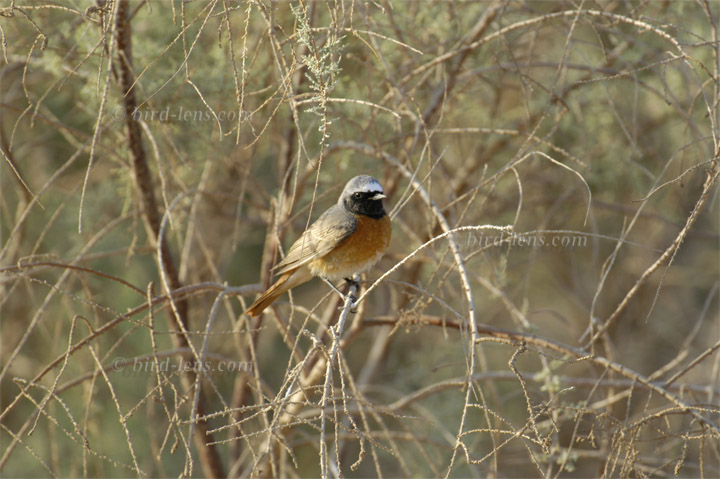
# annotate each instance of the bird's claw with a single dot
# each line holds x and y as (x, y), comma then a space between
(350, 296)
(353, 305)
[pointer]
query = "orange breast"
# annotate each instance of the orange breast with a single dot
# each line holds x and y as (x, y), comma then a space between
(358, 252)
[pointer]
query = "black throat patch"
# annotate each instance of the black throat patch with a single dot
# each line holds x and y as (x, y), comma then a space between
(361, 204)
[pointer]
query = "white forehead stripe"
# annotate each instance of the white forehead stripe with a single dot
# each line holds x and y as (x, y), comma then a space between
(372, 185)
(362, 184)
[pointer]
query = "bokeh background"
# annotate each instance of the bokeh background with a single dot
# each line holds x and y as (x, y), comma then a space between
(552, 305)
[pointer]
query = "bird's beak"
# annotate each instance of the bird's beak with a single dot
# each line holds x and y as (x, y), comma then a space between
(378, 196)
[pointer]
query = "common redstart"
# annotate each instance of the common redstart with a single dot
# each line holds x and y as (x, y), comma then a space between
(347, 239)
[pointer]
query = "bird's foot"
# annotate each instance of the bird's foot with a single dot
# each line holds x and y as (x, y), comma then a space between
(353, 284)
(349, 296)
(353, 306)
(353, 300)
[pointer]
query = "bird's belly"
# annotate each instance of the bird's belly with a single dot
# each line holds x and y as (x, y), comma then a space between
(358, 252)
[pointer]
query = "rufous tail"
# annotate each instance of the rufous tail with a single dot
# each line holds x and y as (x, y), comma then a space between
(286, 282)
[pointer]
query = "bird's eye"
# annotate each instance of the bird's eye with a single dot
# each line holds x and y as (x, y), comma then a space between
(357, 195)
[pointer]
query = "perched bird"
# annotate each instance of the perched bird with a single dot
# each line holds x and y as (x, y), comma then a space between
(347, 239)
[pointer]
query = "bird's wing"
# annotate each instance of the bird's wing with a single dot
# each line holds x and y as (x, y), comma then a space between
(326, 233)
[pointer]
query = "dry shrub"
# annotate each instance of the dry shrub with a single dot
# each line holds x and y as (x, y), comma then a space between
(549, 304)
